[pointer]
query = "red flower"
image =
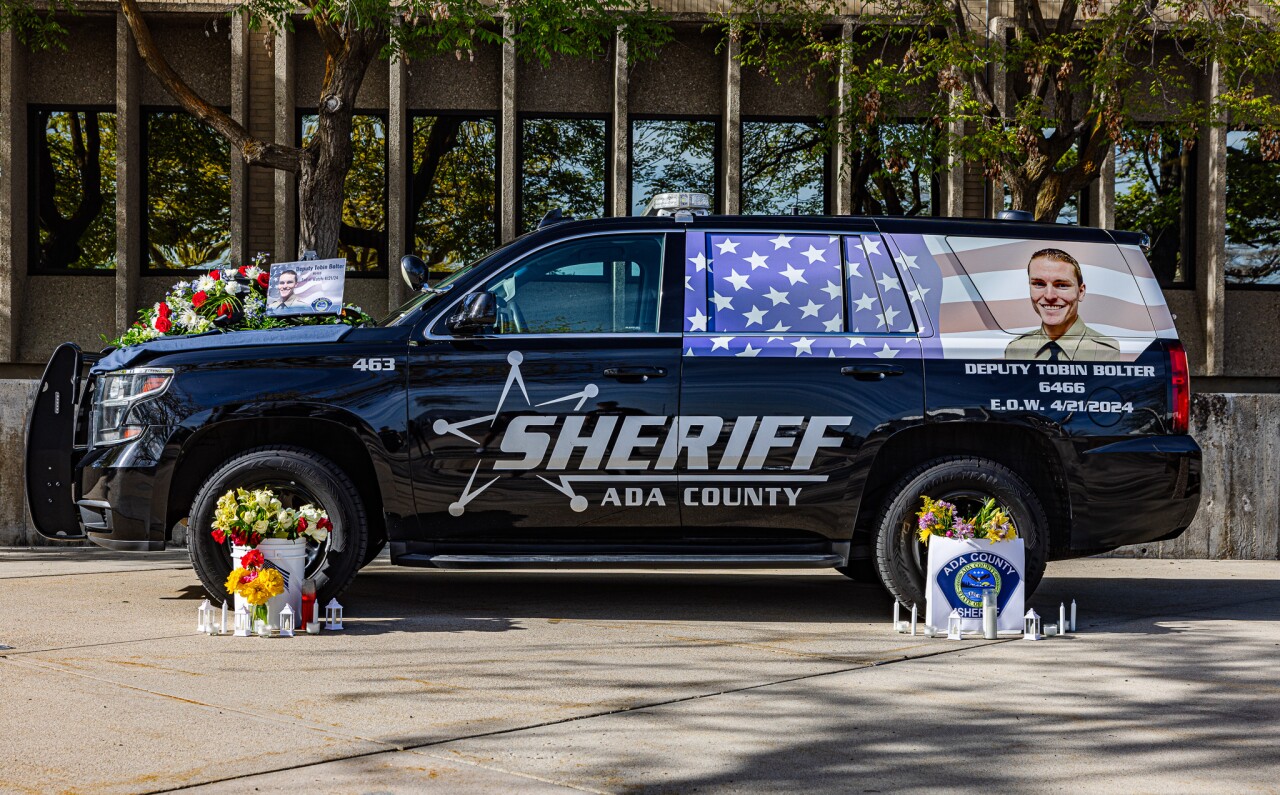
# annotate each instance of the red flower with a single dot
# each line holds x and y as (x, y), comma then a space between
(244, 270)
(164, 310)
(248, 577)
(324, 524)
(198, 299)
(302, 525)
(252, 558)
(255, 539)
(215, 274)
(264, 279)
(224, 309)
(163, 325)
(219, 536)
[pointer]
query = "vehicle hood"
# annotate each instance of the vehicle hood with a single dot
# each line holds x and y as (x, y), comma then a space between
(124, 357)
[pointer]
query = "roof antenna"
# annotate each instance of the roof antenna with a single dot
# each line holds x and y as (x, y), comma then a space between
(554, 216)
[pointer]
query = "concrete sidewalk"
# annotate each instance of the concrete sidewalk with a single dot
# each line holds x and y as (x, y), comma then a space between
(665, 682)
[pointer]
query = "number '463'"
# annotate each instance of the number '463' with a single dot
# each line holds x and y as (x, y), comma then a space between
(374, 364)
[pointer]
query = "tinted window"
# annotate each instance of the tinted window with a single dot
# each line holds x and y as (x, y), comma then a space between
(452, 189)
(1253, 211)
(562, 164)
(775, 283)
(784, 166)
(608, 284)
(363, 236)
(188, 193)
(1152, 185)
(671, 155)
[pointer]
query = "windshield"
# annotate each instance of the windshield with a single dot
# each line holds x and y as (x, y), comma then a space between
(408, 312)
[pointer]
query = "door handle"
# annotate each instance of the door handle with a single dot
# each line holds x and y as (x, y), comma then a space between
(634, 375)
(871, 372)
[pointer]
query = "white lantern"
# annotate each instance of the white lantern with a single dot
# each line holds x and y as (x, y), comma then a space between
(333, 615)
(242, 622)
(204, 618)
(953, 625)
(1031, 627)
(286, 621)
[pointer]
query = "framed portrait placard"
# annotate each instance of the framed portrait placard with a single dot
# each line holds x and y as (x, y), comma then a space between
(311, 287)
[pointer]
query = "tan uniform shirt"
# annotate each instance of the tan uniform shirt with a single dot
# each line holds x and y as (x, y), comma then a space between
(1080, 343)
(294, 302)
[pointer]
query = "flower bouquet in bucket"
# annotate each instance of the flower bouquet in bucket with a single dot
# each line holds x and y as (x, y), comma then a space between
(970, 556)
(270, 543)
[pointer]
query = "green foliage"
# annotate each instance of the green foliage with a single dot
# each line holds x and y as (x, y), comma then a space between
(1085, 75)
(562, 165)
(75, 181)
(36, 23)
(1151, 176)
(363, 237)
(188, 193)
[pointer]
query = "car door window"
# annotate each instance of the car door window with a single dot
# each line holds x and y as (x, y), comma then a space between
(601, 285)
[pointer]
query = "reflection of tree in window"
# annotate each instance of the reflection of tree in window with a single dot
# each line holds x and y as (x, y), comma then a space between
(562, 164)
(1253, 208)
(362, 239)
(188, 193)
(1151, 177)
(783, 168)
(893, 170)
(671, 155)
(452, 189)
(75, 189)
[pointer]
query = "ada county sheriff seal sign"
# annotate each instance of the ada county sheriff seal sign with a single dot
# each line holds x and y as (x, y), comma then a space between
(959, 573)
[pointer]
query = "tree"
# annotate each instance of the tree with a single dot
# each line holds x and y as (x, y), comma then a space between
(354, 33)
(1017, 99)
(75, 189)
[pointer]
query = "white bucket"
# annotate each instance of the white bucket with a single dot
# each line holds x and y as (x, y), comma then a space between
(290, 558)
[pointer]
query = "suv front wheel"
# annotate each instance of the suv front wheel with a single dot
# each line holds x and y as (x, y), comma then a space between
(297, 476)
(967, 482)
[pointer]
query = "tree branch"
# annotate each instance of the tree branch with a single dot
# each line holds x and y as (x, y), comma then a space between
(255, 152)
(330, 37)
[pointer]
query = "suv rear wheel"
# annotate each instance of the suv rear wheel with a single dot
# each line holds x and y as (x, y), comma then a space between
(902, 560)
(297, 476)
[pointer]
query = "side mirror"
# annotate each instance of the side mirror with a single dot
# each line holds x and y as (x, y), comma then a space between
(414, 271)
(477, 311)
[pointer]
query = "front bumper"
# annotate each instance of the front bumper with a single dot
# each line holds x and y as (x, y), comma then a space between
(1133, 491)
(122, 492)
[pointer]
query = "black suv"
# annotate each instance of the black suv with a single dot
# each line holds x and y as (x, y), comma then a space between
(675, 391)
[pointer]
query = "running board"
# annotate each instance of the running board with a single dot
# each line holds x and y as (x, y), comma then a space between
(622, 561)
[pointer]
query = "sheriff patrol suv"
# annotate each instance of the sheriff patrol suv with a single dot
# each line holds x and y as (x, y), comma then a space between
(672, 390)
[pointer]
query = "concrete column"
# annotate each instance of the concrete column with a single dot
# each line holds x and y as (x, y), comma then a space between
(399, 166)
(841, 173)
(129, 198)
(1102, 195)
(1211, 206)
(239, 112)
(508, 177)
(286, 184)
(620, 133)
(730, 187)
(13, 192)
(952, 180)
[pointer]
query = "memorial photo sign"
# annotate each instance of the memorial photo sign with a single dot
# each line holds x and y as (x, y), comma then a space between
(311, 287)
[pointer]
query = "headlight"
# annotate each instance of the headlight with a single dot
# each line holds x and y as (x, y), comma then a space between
(116, 394)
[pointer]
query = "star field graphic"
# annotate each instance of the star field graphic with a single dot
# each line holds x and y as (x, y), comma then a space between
(787, 295)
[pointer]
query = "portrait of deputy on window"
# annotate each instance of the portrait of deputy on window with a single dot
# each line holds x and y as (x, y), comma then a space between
(607, 285)
(1057, 288)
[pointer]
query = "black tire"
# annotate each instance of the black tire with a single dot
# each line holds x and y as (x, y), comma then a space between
(863, 570)
(900, 557)
(374, 548)
(312, 475)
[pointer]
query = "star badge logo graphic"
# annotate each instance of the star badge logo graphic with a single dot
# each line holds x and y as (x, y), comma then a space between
(514, 378)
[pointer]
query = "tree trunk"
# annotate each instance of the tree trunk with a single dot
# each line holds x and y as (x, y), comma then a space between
(326, 159)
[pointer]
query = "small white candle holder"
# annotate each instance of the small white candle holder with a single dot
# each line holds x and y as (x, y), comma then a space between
(333, 615)
(1031, 626)
(204, 618)
(953, 626)
(286, 622)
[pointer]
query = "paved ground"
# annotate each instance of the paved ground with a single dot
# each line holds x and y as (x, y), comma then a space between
(621, 681)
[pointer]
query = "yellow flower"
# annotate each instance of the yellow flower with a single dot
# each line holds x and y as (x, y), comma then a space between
(267, 584)
(924, 535)
(233, 580)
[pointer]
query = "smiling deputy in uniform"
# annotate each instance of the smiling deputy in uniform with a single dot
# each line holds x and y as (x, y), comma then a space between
(1057, 288)
(285, 283)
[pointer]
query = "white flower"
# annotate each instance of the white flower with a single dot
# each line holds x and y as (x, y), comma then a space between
(205, 283)
(191, 319)
(260, 527)
(235, 288)
(263, 498)
(253, 271)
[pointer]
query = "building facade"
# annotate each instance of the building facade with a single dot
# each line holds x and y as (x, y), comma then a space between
(109, 193)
